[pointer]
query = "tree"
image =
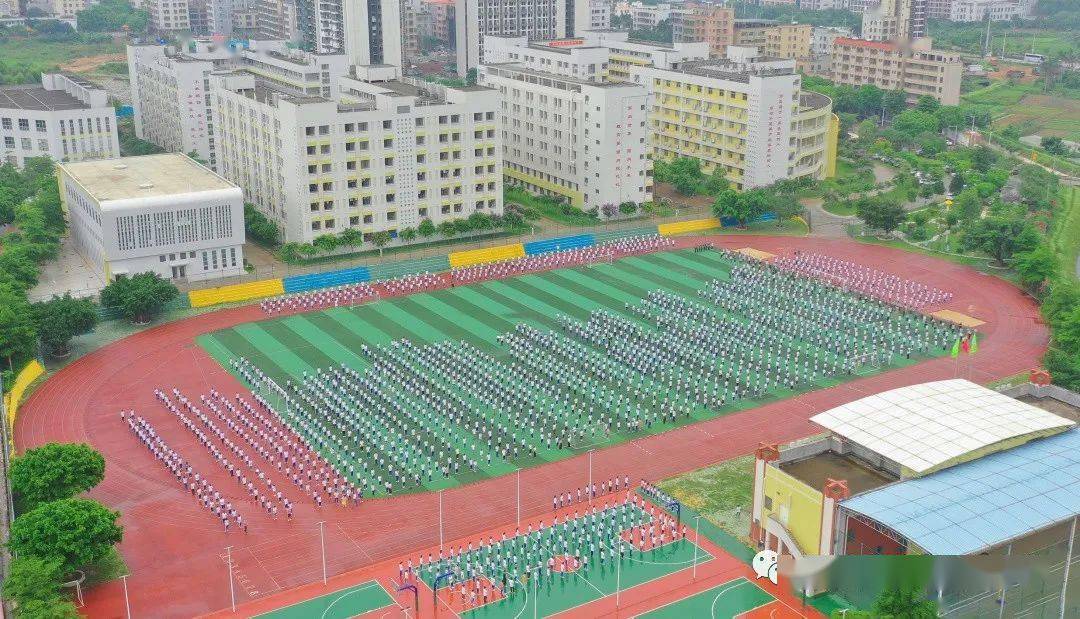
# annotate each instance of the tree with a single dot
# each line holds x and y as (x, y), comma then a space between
(258, 227)
(55, 471)
(1000, 236)
(350, 237)
(18, 335)
(870, 100)
(407, 235)
(983, 158)
(905, 603)
(894, 102)
(880, 214)
(53, 608)
(380, 239)
(426, 228)
(32, 578)
(956, 184)
(926, 103)
(290, 253)
(968, 205)
(1055, 146)
(139, 297)
(867, 131)
(915, 122)
(1036, 266)
(741, 207)
(75, 532)
(62, 318)
(112, 16)
(785, 206)
(447, 229)
(716, 182)
(325, 243)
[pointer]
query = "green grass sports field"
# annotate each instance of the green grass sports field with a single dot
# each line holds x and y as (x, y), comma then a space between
(478, 314)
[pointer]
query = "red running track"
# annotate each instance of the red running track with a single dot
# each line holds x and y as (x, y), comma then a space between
(175, 551)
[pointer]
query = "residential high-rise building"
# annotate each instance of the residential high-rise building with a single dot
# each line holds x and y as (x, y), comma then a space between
(163, 214)
(568, 131)
(649, 16)
(917, 69)
(895, 20)
(169, 16)
(821, 48)
(791, 41)
(982, 10)
(381, 153)
(67, 118)
(372, 32)
(443, 25)
(775, 39)
(543, 20)
(277, 20)
(938, 9)
(588, 15)
(710, 23)
(67, 7)
(744, 114)
(170, 87)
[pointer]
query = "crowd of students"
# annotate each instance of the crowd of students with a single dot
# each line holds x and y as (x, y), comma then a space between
(865, 280)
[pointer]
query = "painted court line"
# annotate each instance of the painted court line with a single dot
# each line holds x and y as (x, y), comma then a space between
(735, 583)
(343, 590)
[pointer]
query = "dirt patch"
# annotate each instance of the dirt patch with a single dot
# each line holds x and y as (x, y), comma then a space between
(665, 190)
(1003, 70)
(89, 64)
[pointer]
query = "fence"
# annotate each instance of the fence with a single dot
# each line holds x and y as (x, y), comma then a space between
(433, 264)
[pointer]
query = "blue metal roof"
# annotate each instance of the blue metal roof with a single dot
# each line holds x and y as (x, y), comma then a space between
(980, 504)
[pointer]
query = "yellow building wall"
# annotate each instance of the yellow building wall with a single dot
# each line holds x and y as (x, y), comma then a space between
(577, 198)
(796, 506)
(831, 144)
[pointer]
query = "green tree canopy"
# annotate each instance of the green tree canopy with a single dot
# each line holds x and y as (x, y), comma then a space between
(1000, 236)
(742, 207)
(1036, 266)
(894, 102)
(426, 228)
(32, 578)
(18, 335)
(55, 471)
(880, 213)
(74, 532)
(62, 318)
(112, 16)
(139, 297)
(905, 603)
(258, 227)
(915, 122)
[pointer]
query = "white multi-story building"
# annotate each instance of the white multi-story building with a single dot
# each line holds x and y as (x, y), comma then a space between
(649, 16)
(542, 20)
(169, 16)
(164, 214)
(744, 114)
(567, 130)
(381, 154)
(277, 20)
(625, 54)
(821, 47)
(67, 118)
(170, 88)
(589, 15)
(981, 10)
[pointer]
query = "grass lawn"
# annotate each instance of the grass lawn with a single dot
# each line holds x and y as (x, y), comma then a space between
(840, 207)
(548, 208)
(1065, 235)
(40, 55)
(1056, 113)
(479, 315)
(721, 493)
